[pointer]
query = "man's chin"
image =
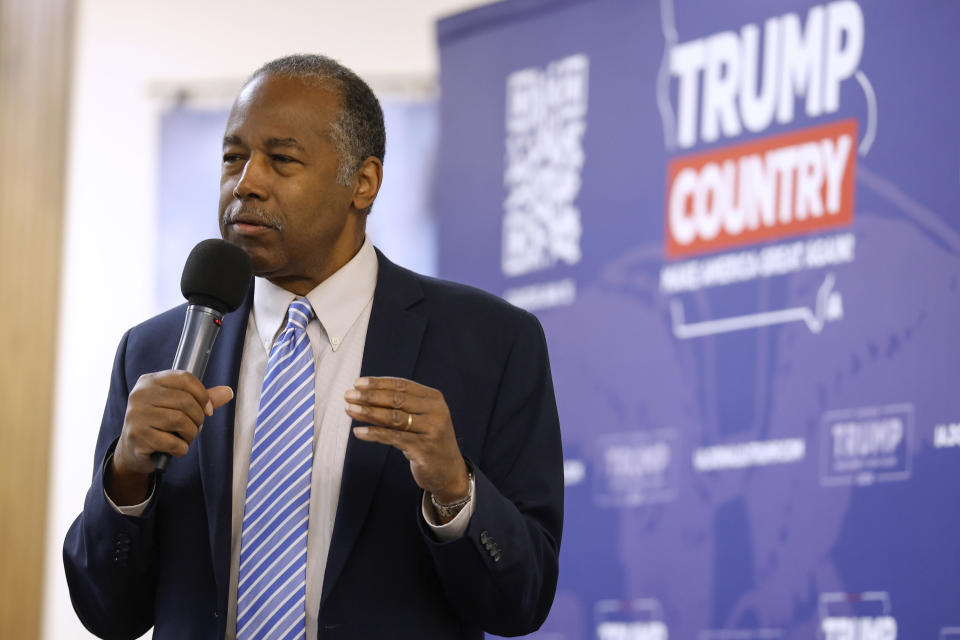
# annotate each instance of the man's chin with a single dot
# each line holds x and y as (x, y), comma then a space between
(264, 268)
(262, 259)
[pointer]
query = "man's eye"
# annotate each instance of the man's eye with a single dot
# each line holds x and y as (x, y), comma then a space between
(230, 157)
(279, 157)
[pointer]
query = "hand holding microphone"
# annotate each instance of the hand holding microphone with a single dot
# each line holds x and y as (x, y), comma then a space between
(166, 409)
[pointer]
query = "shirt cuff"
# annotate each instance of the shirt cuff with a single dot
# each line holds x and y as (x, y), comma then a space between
(135, 510)
(456, 527)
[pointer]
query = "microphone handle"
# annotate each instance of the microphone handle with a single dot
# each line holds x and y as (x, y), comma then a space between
(200, 329)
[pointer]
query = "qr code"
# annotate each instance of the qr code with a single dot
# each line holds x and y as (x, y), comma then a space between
(545, 124)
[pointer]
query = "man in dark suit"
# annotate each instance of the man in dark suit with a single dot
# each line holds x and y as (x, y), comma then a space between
(433, 481)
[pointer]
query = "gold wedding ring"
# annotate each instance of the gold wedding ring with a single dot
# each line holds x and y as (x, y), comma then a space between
(409, 422)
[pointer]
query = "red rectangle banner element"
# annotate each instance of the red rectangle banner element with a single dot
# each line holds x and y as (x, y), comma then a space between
(774, 187)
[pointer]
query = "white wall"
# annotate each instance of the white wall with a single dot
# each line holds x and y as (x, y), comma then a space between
(127, 55)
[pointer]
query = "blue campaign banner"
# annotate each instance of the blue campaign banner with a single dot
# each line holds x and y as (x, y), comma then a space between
(737, 222)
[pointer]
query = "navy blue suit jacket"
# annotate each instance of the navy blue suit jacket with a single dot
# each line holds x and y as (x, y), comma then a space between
(386, 575)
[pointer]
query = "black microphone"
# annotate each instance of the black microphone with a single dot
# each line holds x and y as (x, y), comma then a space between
(215, 280)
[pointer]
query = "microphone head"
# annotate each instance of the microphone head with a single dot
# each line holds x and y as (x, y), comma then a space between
(216, 275)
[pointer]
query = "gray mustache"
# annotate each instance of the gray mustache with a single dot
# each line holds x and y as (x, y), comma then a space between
(248, 212)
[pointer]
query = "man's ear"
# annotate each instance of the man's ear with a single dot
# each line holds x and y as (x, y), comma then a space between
(369, 178)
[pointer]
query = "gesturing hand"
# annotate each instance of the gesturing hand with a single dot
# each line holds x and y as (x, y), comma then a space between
(414, 419)
(164, 413)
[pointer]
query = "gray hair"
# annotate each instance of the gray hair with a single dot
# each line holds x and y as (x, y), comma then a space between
(358, 131)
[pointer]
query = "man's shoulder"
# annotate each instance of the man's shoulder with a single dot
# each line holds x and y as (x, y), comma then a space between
(468, 302)
(156, 334)
(170, 319)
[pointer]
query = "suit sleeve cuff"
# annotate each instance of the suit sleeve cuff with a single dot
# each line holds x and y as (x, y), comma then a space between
(135, 510)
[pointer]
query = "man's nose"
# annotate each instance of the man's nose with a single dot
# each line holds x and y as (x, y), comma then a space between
(252, 182)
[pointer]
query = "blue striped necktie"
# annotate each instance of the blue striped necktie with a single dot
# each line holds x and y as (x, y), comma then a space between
(271, 588)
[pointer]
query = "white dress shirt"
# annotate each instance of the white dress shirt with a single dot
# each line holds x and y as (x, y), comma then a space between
(337, 334)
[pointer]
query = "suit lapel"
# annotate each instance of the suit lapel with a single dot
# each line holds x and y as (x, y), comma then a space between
(391, 349)
(215, 444)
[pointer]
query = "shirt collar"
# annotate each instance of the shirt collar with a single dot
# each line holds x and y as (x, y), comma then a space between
(337, 301)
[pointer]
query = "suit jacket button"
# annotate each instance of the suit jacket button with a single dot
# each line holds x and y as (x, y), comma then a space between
(484, 536)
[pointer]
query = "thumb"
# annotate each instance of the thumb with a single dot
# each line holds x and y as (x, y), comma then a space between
(220, 396)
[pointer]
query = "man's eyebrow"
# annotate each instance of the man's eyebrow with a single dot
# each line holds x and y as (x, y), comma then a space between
(284, 142)
(270, 143)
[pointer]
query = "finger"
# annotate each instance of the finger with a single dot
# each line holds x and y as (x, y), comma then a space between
(220, 396)
(395, 384)
(172, 421)
(405, 442)
(391, 399)
(164, 442)
(188, 382)
(178, 400)
(394, 419)
(159, 441)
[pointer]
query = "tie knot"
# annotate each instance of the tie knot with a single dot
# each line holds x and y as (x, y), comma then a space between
(299, 313)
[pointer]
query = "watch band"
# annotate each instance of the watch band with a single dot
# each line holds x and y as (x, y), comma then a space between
(451, 509)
